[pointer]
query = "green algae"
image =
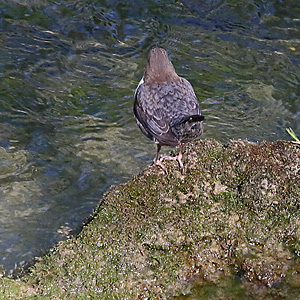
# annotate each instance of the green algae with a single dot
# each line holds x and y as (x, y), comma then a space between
(234, 213)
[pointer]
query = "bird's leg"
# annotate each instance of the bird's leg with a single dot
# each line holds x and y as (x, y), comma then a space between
(157, 153)
(157, 160)
(178, 158)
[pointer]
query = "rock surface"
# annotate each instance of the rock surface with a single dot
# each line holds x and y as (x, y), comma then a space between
(232, 216)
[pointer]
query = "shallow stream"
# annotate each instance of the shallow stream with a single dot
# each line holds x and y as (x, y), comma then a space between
(68, 71)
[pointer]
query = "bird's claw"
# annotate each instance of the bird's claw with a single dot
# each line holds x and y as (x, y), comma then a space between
(158, 162)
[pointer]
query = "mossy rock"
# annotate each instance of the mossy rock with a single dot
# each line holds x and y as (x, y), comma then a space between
(234, 213)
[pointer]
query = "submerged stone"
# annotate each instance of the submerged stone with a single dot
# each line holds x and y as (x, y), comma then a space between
(234, 213)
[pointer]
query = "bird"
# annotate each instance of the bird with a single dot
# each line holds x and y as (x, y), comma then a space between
(165, 107)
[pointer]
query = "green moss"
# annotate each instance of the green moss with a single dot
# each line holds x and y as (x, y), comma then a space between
(234, 212)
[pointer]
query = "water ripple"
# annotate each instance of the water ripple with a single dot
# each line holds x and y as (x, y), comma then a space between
(68, 72)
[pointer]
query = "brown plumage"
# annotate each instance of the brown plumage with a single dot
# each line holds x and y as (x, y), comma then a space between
(166, 107)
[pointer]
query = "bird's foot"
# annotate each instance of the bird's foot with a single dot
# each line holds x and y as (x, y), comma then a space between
(158, 162)
(178, 158)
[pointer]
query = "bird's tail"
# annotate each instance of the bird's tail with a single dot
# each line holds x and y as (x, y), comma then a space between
(188, 128)
(192, 119)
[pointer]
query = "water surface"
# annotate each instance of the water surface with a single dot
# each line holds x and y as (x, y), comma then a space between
(68, 70)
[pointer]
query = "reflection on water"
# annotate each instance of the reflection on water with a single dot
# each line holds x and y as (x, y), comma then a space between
(68, 72)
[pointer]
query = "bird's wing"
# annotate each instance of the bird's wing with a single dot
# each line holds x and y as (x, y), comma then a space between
(152, 117)
(186, 103)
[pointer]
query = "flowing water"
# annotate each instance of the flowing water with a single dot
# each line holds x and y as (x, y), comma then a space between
(68, 71)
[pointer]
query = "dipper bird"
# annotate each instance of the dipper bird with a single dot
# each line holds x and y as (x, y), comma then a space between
(165, 106)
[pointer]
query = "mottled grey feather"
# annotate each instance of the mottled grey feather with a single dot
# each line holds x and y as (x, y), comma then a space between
(165, 106)
(159, 107)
